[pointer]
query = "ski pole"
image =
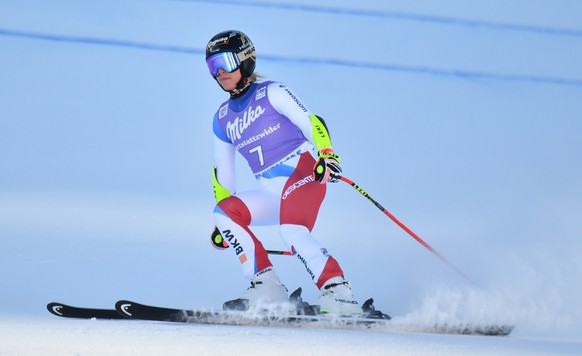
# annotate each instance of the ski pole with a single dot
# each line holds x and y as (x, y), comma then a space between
(284, 253)
(219, 243)
(405, 228)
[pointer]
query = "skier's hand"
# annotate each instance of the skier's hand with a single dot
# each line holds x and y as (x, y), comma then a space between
(327, 168)
(217, 241)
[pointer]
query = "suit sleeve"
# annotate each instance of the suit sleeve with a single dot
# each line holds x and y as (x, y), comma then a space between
(289, 105)
(224, 152)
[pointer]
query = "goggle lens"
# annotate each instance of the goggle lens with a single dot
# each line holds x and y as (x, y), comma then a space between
(228, 61)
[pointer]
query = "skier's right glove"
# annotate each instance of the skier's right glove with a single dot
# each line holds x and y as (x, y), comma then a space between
(327, 168)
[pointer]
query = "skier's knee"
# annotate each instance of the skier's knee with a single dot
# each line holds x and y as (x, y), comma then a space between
(235, 209)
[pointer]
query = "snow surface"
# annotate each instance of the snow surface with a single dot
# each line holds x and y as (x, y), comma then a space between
(462, 118)
(43, 336)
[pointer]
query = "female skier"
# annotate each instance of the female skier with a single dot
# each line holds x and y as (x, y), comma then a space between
(276, 134)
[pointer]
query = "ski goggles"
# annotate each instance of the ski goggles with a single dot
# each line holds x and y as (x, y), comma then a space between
(228, 61)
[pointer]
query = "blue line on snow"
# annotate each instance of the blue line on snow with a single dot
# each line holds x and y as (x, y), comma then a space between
(401, 16)
(353, 64)
(100, 41)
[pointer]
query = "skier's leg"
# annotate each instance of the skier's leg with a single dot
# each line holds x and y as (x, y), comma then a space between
(233, 216)
(300, 202)
(320, 265)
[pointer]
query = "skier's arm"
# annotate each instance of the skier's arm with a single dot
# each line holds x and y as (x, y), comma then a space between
(327, 168)
(313, 128)
(223, 173)
(289, 105)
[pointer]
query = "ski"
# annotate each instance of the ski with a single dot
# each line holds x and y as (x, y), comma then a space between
(296, 314)
(67, 311)
(276, 317)
(134, 310)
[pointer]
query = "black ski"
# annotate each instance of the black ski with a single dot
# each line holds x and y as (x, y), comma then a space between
(67, 311)
(304, 315)
(134, 310)
(297, 313)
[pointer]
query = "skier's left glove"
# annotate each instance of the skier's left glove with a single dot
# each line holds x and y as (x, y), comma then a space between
(217, 241)
(327, 168)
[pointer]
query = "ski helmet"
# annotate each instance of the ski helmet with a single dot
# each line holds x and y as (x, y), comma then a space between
(240, 47)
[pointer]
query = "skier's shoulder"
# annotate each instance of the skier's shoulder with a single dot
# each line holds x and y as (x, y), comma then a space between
(265, 88)
(281, 94)
(275, 87)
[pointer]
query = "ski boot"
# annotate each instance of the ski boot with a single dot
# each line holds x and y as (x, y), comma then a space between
(266, 289)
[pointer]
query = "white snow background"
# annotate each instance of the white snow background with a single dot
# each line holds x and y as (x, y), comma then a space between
(462, 118)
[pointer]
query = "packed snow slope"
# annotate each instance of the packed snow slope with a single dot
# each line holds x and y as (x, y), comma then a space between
(462, 118)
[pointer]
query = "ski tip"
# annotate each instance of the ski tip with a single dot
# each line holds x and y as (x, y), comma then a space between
(55, 308)
(123, 307)
(67, 311)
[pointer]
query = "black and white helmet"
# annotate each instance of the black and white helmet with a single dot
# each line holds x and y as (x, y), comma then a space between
(238, 50)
